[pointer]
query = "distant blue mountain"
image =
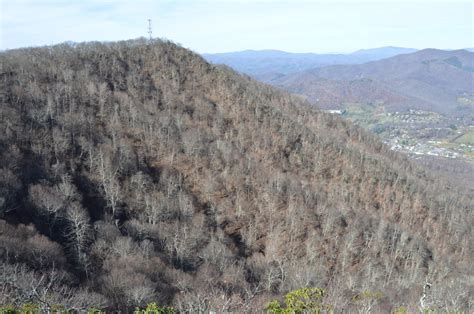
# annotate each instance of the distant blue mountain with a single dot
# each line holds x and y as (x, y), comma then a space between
(383, 52)
(429, 79)
(263, 63)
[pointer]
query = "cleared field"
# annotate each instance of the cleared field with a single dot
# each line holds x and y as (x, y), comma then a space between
(466, 138)
(465, 101)
(447, 144)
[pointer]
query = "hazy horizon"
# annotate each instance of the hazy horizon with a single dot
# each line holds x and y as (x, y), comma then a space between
(296, 26)
(335, 52)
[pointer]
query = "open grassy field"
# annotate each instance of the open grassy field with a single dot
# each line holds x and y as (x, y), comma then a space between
(466, 138)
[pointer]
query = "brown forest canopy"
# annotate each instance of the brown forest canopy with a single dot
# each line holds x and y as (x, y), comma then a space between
(135, 171)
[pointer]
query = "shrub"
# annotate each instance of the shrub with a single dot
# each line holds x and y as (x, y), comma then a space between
(153, 308)
(304, 300)
(8, 309)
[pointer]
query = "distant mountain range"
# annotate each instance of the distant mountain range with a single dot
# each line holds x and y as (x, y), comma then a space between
(265, 64)
(430, 79)
(382, 53)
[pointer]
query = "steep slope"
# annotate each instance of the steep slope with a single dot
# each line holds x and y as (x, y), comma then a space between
(155, 176)
(432, 80)
(267, 65)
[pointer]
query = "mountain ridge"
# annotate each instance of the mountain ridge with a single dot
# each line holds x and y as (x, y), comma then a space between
(429, 79)
(262, 62)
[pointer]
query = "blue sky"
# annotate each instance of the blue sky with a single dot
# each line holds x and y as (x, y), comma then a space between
(221, 26)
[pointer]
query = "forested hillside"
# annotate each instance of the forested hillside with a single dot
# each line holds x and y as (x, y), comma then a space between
(136, 172)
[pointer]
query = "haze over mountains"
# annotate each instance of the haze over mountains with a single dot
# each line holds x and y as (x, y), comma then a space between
(264, 63)
(135, 172)
(430, 79)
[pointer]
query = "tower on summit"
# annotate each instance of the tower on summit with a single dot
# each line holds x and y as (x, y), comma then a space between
(149, 29)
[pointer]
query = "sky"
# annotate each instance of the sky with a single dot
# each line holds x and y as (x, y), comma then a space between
(230, 25)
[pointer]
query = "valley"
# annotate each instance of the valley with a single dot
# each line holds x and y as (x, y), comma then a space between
(420, 103)
(415, 132)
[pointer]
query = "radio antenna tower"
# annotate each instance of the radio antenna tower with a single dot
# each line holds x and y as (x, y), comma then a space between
(149, 29)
